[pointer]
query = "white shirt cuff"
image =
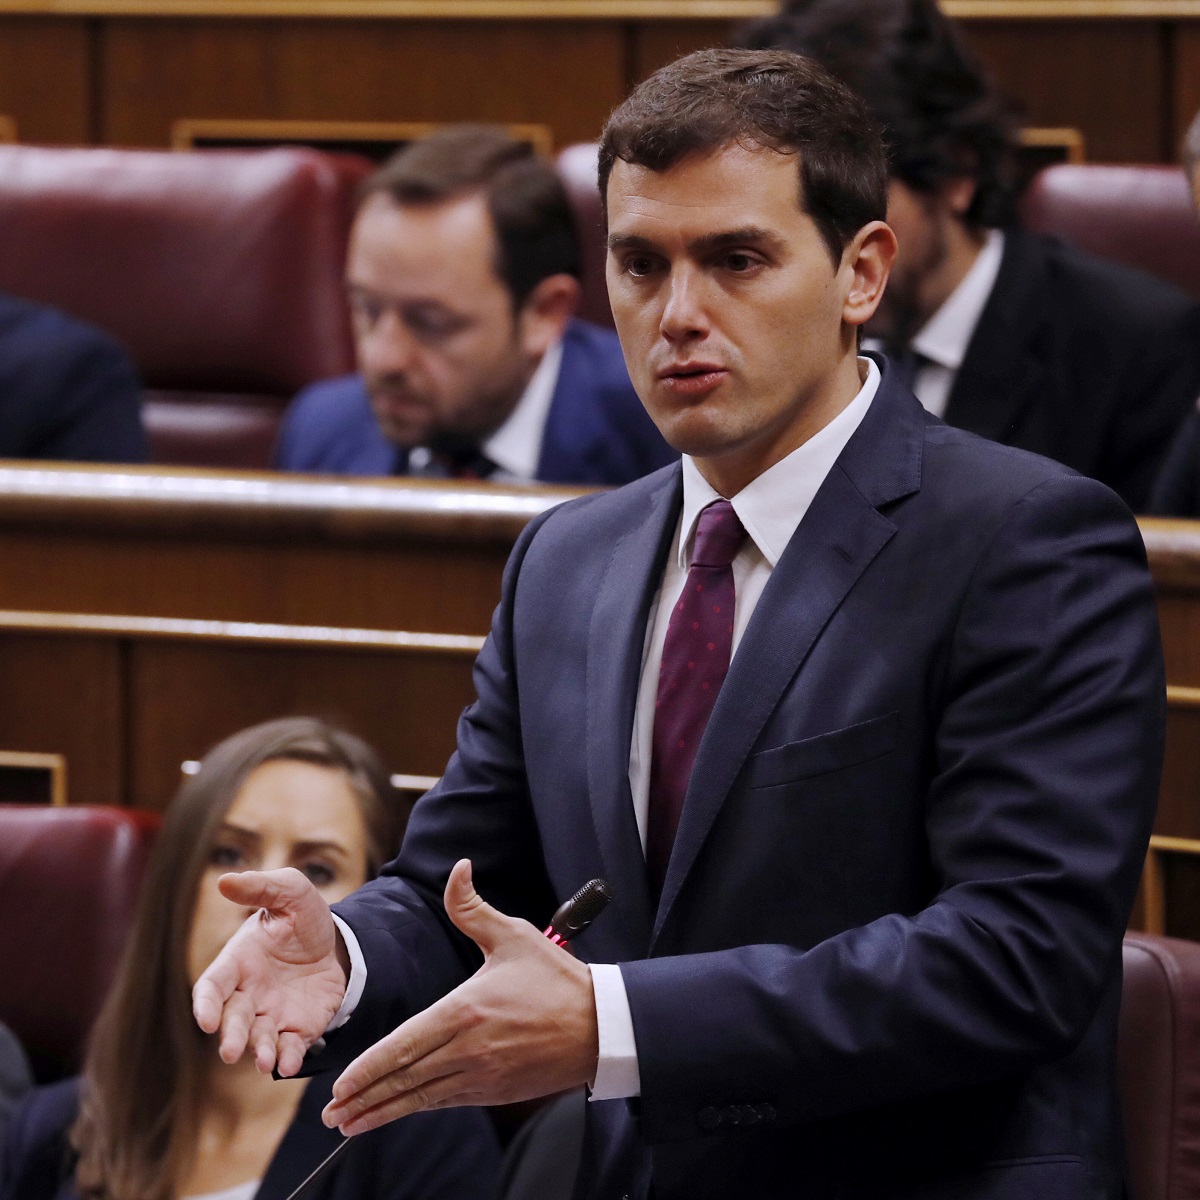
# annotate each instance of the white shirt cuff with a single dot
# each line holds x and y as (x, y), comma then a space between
(617, 1075)
(357, 980)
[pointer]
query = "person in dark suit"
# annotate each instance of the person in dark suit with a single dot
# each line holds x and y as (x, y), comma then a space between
(1009, 334)
(156, 1115)
(463, 276)
(860, 715)
(1177, 489)
(67, 391)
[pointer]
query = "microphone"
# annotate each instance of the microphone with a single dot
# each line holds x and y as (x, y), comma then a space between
(577, 913)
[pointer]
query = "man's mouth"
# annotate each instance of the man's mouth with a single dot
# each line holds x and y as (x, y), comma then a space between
(692, 378)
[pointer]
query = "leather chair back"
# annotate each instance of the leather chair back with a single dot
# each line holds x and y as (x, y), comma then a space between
(1159, 1062)
(1140, 215)
(69, 880)
(577, 169)
(219, 271)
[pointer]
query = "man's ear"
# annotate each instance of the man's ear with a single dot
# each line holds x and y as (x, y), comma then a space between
(866, 263)
(545, 313)
(958, 195)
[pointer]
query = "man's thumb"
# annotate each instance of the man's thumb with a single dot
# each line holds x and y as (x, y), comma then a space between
(468, 910)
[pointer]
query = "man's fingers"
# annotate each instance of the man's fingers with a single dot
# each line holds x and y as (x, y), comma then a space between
(472, 914)
(438, 1093)
(290, 1051)
(402, 1050)
(235, 1027)
(212, 989)
(262, 1043)
(264, 889)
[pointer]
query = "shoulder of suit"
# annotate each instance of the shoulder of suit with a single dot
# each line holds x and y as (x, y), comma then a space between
(30, 331)
(598, 352)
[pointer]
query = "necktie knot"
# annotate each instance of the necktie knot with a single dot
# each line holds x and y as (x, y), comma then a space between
(719, 536)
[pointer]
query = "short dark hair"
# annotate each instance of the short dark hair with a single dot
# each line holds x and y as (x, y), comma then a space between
(528, 205)
(779, 101)
(941, 115)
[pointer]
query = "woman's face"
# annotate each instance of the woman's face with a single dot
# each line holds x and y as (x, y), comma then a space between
(287, 814)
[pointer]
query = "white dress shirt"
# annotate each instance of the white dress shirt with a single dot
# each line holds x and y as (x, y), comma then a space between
(770, 507)
(944, 338)
(516, 447)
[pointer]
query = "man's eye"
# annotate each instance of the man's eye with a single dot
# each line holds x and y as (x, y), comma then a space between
(433, 326)
(739, 262)
(320, 874)
(364, 311)
(639, 265)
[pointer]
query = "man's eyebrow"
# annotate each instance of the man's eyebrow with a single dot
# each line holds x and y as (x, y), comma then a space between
(709, 243)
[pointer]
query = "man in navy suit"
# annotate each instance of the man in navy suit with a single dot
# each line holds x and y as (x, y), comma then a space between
(67, 391)
(860, 715)
(463, 276)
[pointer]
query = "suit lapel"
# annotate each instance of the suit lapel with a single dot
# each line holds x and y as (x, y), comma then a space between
(305, 1145)
(614, 662)
(837, 540)
(1002, 373)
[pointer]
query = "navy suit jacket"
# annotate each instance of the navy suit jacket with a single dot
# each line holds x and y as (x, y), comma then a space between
(886, 960)
(1081, 359)
(67, 391)
(596, 431)
(431, 1156)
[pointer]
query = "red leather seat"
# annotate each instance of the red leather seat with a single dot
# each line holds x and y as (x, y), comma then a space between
(577, 169)
(220, 272)
(69, 879)
(1159, 1061)
(1140, 215)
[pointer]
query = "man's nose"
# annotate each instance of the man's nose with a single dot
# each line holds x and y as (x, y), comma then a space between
(685, 313)
(387, 348)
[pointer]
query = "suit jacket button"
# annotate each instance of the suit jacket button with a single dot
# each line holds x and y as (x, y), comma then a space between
(749, 1115)
(709, 1118)
(731, 1115)
(766, 1112)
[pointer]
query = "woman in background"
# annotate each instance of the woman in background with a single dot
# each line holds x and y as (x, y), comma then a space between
(156, 1115)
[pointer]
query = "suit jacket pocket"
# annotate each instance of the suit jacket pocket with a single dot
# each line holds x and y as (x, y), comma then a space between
(826, 752)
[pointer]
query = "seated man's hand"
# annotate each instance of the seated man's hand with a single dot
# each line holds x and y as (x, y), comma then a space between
(279, 980)
(523, 1025)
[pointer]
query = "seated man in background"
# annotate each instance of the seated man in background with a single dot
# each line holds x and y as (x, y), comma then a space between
(462, 275)
(66, 390)
(1177, 490)
(15, 1076)
(1014, 336)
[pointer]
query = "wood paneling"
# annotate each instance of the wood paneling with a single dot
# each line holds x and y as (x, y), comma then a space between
(1108, 79)
(1186, 76)
(656, 43)
(65, 696)
(46, 78)
(184, 697)
(566, 75)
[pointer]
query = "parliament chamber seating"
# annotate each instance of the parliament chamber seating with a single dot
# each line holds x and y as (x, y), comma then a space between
(69, 880)
(1140, 215)
(577, 169)
(219, 271)
(1159, 1065)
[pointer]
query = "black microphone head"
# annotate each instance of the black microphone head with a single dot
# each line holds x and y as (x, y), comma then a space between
(582, 909)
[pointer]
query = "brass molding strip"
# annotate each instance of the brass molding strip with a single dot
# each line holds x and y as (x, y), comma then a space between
(318, 637)
(575, 9)
(1179, 696)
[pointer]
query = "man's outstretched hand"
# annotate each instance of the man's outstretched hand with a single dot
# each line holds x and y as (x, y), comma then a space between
(523, 1025)
(279, 980)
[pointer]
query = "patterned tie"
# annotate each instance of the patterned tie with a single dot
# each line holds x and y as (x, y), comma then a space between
(694, 662)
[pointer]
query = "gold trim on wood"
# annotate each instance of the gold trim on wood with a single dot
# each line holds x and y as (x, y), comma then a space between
(187, 131)
(317, 637)
(1179, 696)
(419, 784)
(1017, 10)
(55, 764)
(1065, 138)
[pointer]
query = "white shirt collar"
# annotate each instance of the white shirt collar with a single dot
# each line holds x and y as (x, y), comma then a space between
(771, 506)
(516, 447)
(944, 338)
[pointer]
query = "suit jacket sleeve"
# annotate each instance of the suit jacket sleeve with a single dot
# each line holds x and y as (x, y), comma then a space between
(1045, 760)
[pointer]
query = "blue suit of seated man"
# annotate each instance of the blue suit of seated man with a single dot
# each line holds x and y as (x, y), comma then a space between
(593, 431)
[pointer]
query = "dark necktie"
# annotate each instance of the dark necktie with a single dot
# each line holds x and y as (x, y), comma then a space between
(694, 662)
(467, 462)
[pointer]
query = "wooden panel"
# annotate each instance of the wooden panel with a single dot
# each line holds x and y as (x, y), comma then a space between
(184, 697)
(44, 77)
(1186, 75)
(656, 43)
(564, 75)
(1107, 79)
(64, 696)
(1179, 800)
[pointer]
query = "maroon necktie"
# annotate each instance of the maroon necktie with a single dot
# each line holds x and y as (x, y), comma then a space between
(694, 662)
